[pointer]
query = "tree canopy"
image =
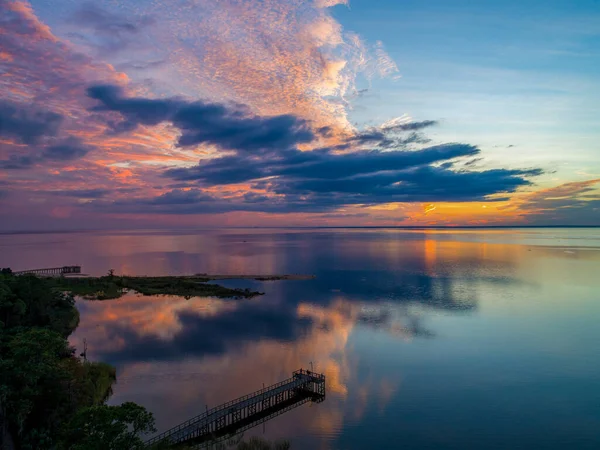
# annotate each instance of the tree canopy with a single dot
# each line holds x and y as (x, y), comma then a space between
(46, 392)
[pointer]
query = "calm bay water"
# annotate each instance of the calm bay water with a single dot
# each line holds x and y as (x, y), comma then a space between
(445, 339)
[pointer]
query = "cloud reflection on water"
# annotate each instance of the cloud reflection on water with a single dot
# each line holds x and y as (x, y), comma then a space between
(170, 350)
(376, 295)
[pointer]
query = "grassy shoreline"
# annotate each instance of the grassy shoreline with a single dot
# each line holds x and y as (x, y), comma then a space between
(113, 287)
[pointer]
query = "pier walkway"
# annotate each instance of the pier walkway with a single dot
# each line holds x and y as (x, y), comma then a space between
(244, 412)
(51, 271)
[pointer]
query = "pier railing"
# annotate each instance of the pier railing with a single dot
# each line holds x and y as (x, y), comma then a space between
(51, 271)
(302, 384)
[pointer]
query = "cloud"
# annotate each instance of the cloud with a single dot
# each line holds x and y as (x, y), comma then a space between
(229, 127)
(17, 162)
(43, 119)
(105, 32)
(323, 180)
(27, 124)
(289, 62)
(409, 126)
(574, 203)
(3, 191)
(292, 194)
(59, 152)
(106, 23)
(66, 151)
(38, 66)
(316, 165)
(278, 56)
(264, 152)
(82, 193)
(235, 127)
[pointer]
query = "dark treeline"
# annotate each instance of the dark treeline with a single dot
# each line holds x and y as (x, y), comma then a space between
(49, 397)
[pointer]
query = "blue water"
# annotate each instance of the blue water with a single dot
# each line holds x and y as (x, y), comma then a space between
(441, 339)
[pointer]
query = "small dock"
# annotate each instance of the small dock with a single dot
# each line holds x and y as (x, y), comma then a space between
(52, 271)
(245, 412)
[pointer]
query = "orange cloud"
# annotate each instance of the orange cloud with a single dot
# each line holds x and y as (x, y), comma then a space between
(278, 57)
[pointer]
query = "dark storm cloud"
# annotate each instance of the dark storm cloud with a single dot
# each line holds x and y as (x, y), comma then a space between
(28, 124)
(211, 335)
(229, 127)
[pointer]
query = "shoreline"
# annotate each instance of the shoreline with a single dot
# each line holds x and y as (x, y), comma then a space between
(115, 286)
(255, 277)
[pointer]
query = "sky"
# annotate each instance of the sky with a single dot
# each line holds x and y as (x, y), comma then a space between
(206, 113)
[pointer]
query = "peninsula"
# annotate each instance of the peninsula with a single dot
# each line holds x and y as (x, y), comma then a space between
(112, 286)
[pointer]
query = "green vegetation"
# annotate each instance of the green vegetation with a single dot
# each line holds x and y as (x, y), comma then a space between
(111, 286)
(49, 398)
(109, 427)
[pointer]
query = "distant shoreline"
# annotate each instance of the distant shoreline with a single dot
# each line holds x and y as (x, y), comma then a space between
(390, 227)
(254, 277)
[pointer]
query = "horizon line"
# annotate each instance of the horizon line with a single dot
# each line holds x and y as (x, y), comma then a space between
(303, 227)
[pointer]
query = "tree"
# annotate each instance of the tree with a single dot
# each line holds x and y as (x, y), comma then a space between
(47, 394)
(32, 384)
(11, 306)
(29, 301)
(109, 428)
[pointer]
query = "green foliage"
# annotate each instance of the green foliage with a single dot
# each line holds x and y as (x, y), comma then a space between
(102, 288)
(28, 301)
(111, 286)
(42, 384)
(33, 381)
(108, 428)
(184, 286)
(92, 381)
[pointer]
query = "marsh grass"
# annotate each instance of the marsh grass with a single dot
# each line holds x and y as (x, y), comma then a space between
(112, 287)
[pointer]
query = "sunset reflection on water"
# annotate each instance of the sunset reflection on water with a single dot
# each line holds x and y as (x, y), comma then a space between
(423, 335)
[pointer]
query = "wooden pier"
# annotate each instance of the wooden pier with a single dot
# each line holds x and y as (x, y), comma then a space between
(53, 271)
(245, 412)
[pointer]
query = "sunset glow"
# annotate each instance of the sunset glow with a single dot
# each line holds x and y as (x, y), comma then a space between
(292, 112)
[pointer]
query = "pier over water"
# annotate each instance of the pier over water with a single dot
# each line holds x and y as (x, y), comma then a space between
(245, 412)
(52, 271)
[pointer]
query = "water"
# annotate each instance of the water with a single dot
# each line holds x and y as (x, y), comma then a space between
(445, 339)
